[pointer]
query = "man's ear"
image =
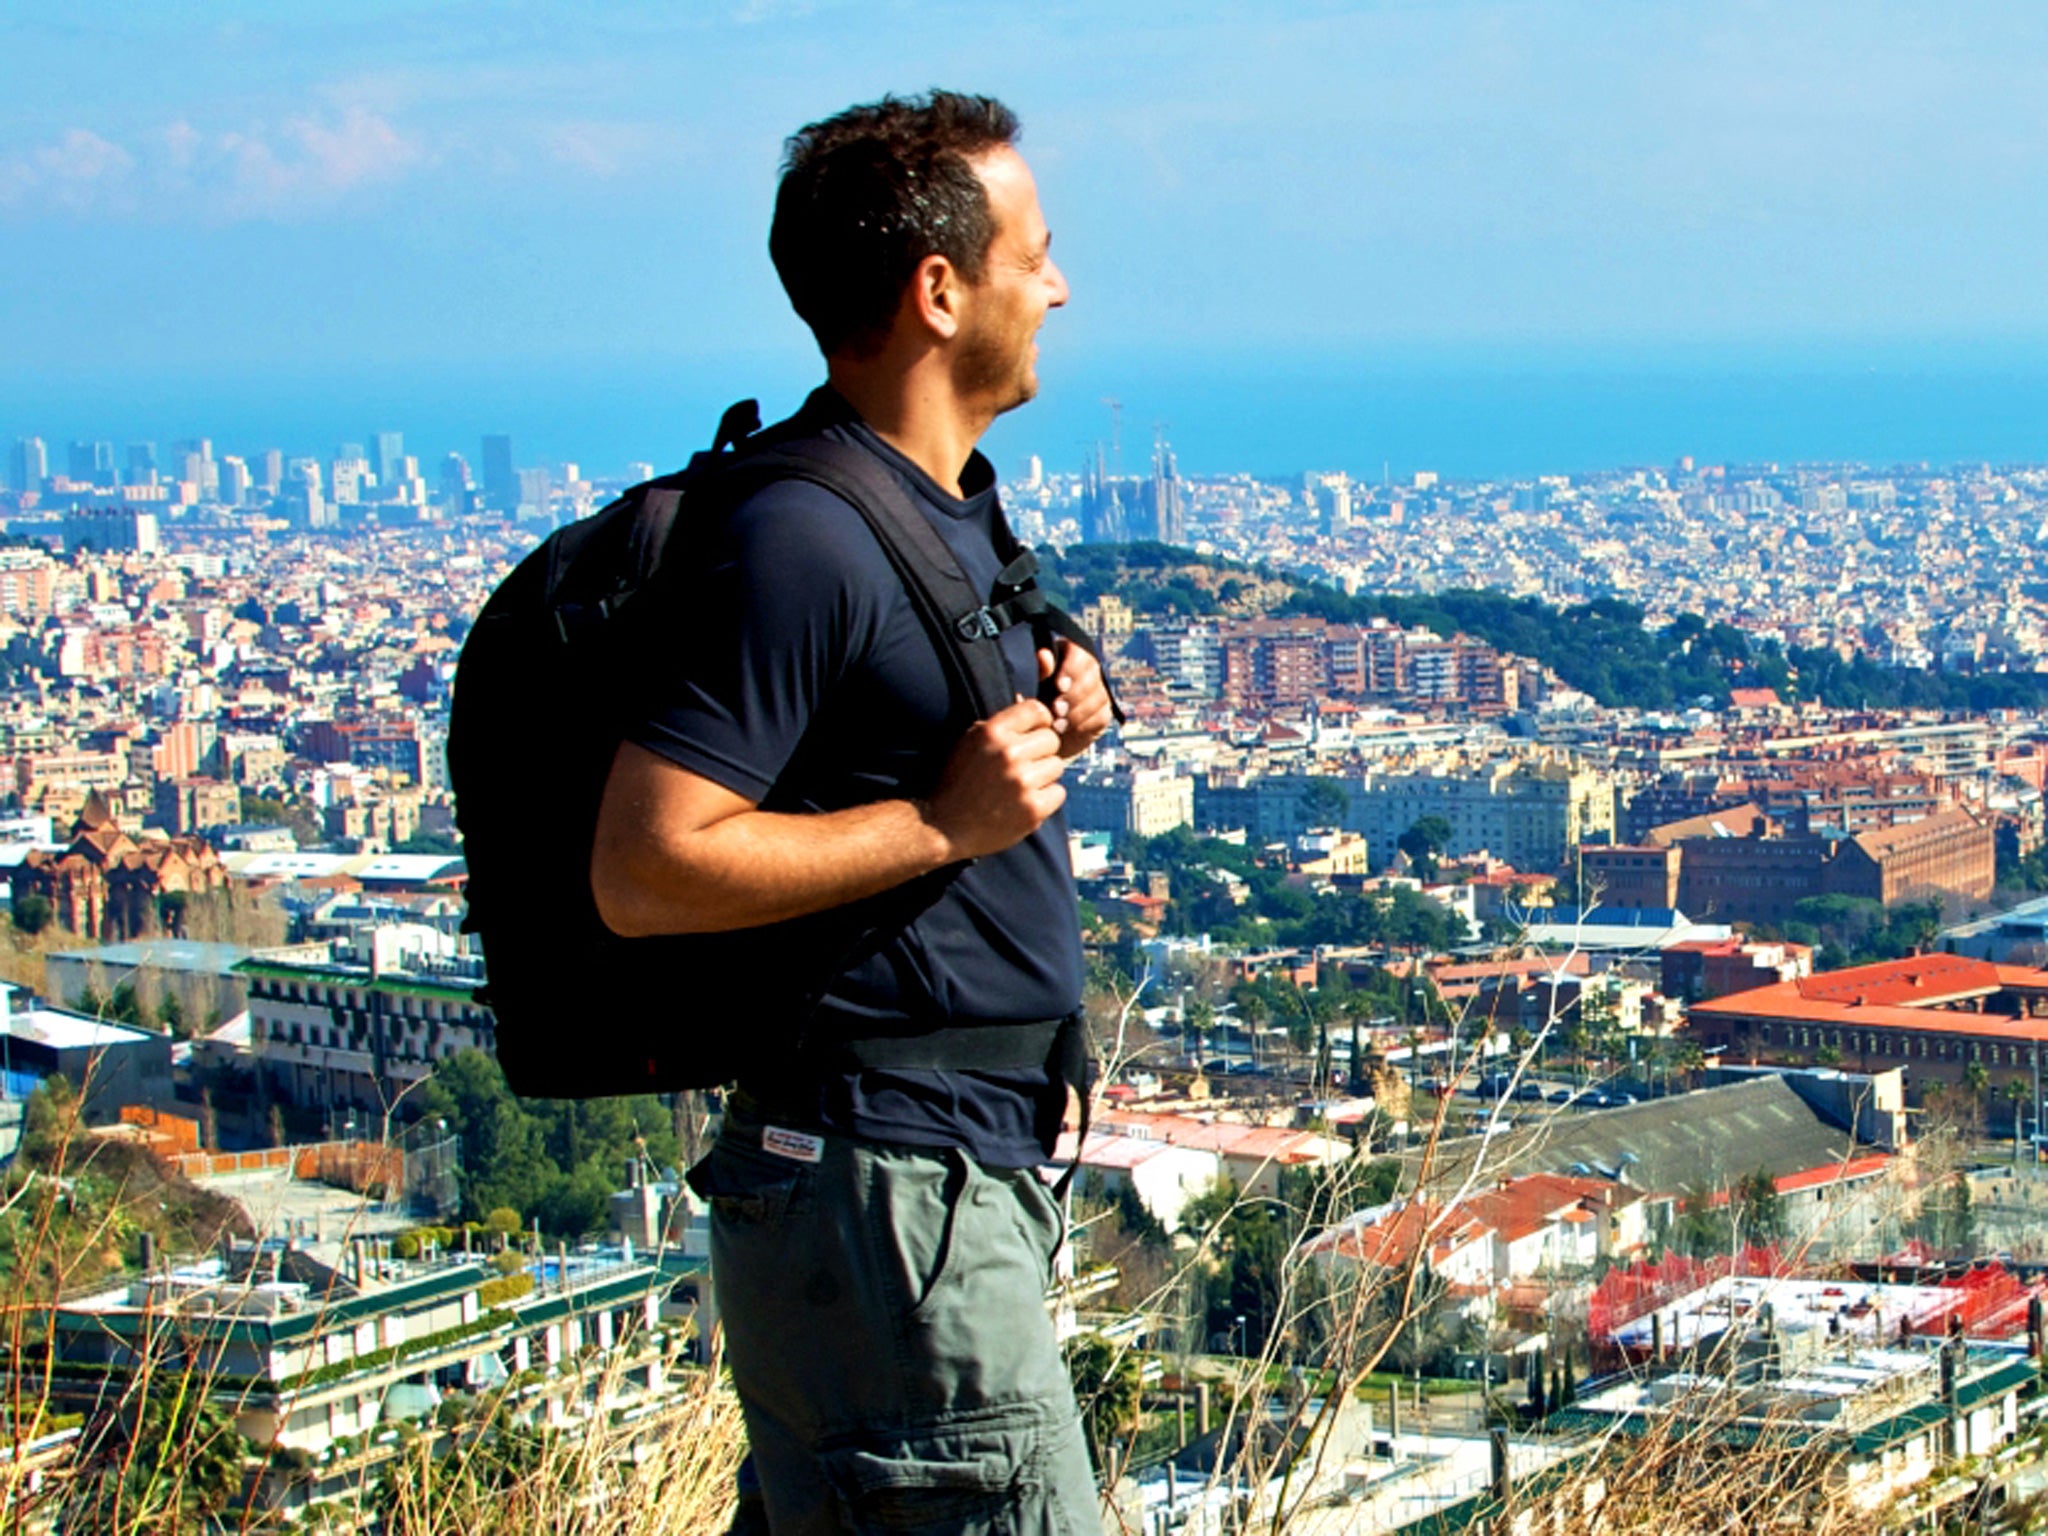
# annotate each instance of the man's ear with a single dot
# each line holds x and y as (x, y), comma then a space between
(935, 296)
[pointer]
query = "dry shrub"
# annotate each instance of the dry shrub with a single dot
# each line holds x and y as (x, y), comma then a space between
(157, 1452)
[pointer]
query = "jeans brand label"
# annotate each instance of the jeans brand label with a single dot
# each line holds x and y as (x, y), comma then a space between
(798, 1145)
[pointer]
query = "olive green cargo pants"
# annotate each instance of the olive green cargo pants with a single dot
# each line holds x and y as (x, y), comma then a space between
(884, 1319)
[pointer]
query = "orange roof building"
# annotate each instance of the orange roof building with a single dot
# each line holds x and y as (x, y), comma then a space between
(1931, 1017)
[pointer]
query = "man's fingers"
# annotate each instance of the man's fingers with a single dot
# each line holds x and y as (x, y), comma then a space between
(1031, 745)
(1097, 720)
(1024, 715)
(1046, 662)
(1041, 771)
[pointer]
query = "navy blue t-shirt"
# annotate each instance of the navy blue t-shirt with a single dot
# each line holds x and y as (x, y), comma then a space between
(806, 682)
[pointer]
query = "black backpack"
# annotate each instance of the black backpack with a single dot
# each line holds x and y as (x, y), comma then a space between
(542, 687)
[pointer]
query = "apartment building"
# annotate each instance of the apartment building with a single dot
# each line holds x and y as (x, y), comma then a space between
(359, 1030)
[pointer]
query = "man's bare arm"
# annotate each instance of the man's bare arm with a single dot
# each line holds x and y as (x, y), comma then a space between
(677, 853)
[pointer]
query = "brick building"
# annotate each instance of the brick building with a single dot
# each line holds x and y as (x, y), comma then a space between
(1740, 864)
(106, 884)
(1704, 968)
(1298, 660)
(1933, 1017)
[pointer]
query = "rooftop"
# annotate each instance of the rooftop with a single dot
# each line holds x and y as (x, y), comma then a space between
(66, 1031)
(1709, 1137)
(164, 954)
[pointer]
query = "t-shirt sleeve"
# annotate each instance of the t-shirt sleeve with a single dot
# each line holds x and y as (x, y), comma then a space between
(752, 643)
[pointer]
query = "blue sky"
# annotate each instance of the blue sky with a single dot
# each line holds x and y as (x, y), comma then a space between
(259, 219)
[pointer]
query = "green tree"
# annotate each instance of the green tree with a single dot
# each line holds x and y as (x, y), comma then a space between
(1977, 1079)
(170, 912)
(169, 1465)
(1703, 1227)
(1760, 1209)
(504, 1160)
(577, 1203)
(1325, 803)
(1423, 842)
(32, 913)
(1135, 1217)
(555, 1159)
(1948, 1220)
(2016, 1094)
(49, 1120)
(1109, 1386)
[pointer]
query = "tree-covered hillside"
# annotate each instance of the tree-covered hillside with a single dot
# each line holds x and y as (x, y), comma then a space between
(1600, 648)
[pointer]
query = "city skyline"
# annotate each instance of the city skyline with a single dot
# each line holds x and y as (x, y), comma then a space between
(1471, 237)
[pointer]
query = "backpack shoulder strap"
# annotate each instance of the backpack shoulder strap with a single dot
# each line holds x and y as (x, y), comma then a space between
(946, 602)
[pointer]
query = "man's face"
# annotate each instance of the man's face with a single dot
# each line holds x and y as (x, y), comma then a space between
(998, 356)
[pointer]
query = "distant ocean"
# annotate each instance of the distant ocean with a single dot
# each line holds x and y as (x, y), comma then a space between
(1466, 413)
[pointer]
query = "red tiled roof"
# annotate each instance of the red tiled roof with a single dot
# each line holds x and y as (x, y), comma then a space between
(1830, 1173)
(1920, 981)
(1863, 1167)
(1896, 994)
(1527, 1205)
(1735, 821)
(1227, 1138)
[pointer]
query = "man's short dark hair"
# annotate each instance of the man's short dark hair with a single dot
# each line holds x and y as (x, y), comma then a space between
(868, 194)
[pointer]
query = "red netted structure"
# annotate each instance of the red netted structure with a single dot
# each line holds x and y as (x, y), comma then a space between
(1994, 1302)
(1623, 1295)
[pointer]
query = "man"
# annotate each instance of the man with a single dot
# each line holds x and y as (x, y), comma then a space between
(880, 1241)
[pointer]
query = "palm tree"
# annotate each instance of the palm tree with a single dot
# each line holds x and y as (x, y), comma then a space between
(1109, 1385)
(1657, 1062)
(1580, 1038)
(1977, 1079)
(177, 1460)
(1690, 1060)
(2016, 1094)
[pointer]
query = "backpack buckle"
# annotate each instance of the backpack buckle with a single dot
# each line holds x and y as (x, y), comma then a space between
(978, 625)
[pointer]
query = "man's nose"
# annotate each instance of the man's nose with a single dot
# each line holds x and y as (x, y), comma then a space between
(1059, 283)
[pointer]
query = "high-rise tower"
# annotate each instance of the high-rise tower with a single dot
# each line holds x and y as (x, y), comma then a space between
(387, 459)
(501, 480)
(29, 465)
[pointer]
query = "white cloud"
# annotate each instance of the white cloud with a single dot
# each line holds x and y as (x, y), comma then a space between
(282, 170)
(609, 149)
(78, 171)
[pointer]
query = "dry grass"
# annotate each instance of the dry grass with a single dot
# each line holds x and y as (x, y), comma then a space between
(1722, 1464)
(160, 1453)
(151, 1459)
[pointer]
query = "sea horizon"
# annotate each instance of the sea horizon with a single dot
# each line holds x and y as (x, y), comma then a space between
(1464, 412)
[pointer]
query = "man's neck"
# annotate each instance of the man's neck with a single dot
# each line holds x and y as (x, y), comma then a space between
(913, 411)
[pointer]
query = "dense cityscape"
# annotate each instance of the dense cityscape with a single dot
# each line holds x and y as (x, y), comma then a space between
(1609, 897)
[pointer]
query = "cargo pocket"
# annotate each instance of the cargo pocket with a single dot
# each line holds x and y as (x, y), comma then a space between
(751, 1188)
(1040, 1216)
(969, 1478)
